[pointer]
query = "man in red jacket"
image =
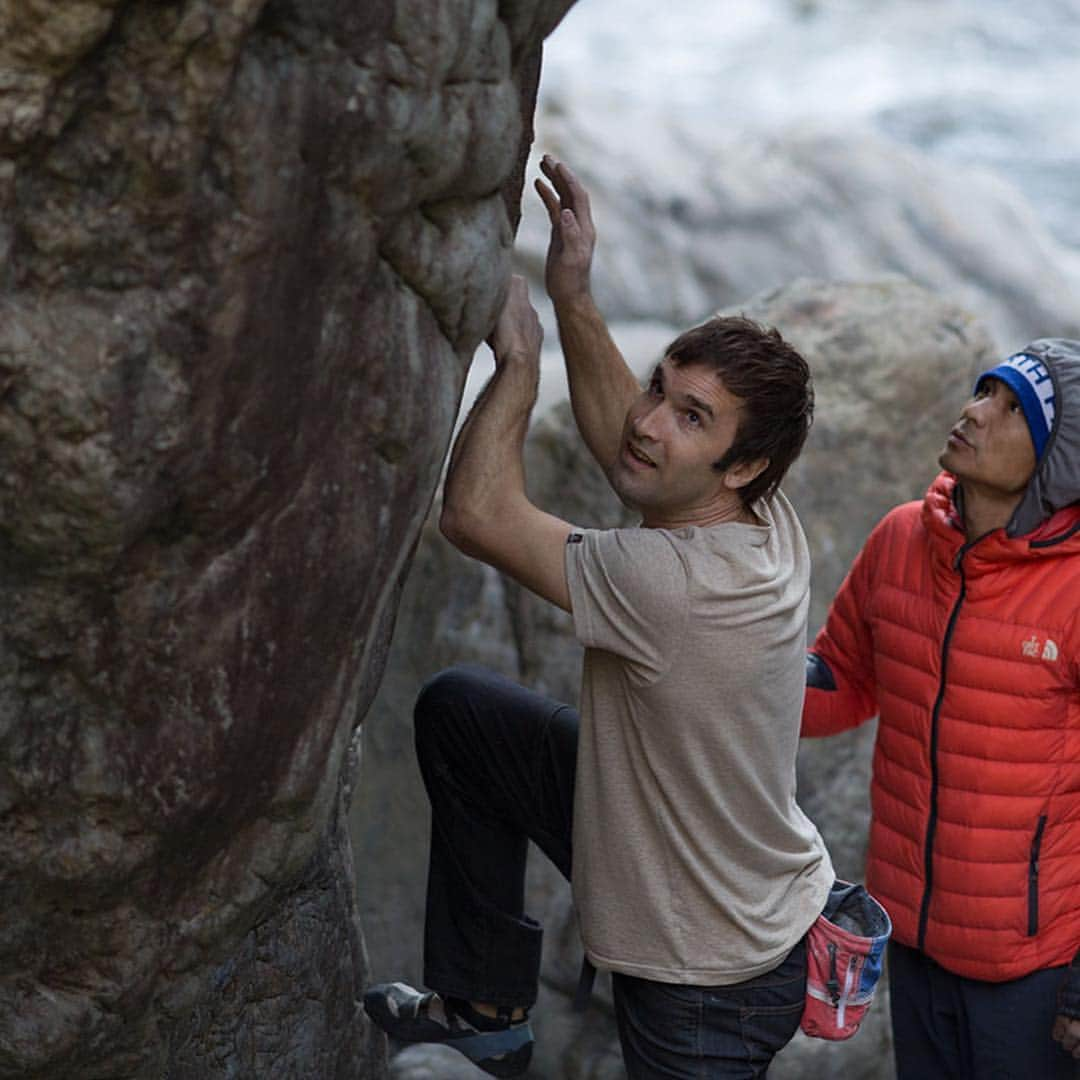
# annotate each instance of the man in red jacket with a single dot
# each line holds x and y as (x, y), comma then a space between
(959, 626)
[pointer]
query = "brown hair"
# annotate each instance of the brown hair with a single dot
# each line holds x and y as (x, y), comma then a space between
(773, 380)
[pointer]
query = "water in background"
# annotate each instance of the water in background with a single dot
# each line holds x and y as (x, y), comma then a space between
(987, 83)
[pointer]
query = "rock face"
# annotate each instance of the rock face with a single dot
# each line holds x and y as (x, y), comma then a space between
(248, 250)
(892, 364)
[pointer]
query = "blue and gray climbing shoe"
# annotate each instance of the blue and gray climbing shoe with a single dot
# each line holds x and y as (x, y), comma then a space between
(410, 1016)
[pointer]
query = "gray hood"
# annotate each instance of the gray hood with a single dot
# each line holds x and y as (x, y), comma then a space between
(1056, 480)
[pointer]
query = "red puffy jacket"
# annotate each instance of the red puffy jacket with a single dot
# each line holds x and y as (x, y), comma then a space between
(970, 653)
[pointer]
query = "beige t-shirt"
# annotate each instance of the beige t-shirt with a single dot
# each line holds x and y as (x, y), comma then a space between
(692, 861)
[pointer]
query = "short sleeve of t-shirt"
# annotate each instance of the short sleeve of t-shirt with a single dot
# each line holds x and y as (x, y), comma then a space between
(628, 594)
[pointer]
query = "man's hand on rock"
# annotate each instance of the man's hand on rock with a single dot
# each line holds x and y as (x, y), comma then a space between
(573, 236)
(518, 334)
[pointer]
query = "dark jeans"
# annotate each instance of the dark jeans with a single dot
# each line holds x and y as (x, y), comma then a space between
(706, 1032)
(946, 1027)
(499, 762)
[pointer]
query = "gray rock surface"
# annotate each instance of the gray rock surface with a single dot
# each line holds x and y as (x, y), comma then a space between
(248, 250)
(892, 364)
(691, 220)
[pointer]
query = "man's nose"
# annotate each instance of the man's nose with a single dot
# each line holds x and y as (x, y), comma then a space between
(647, 420)
(977, 410)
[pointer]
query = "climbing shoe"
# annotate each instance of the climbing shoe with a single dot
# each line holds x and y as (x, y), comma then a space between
(500, 1047)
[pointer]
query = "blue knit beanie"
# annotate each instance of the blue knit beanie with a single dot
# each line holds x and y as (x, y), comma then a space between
(1028, 378)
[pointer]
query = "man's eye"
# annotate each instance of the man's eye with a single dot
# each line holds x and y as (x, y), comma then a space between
(692, 417)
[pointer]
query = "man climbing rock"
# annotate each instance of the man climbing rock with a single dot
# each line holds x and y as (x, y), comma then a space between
(669, 800)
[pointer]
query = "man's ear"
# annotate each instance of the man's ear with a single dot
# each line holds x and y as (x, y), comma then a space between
(741, 473)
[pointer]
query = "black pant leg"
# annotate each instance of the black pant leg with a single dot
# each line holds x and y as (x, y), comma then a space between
(925, 1018)
(949, 1027)
(498, 762)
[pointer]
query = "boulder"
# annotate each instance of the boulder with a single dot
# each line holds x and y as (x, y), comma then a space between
(892, 364)
(249, 249)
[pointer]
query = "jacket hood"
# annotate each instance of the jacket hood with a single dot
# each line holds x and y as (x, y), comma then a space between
(1056, 481)
(1057, 536)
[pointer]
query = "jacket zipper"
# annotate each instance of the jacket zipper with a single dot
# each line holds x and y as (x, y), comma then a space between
(931, 823)
(1033, 878)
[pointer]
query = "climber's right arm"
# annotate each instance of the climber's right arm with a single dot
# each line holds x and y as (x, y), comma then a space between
(486, 512)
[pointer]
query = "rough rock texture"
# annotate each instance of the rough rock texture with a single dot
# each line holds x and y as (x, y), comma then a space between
(248, 248)
(892, 365)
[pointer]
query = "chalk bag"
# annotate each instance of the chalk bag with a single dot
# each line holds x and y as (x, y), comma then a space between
(845, 949)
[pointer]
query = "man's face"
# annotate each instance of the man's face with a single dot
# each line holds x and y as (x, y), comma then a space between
(990, 446)
(681, 423)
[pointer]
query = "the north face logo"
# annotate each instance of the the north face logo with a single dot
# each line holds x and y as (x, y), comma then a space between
(1035, 648)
